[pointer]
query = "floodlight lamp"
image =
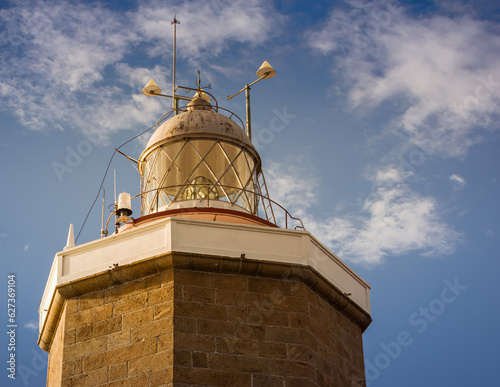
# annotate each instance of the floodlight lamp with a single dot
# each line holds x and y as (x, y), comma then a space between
(124, 207)
(151, 89)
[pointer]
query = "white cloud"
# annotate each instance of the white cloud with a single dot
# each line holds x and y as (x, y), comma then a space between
(292, 183)
(442, 74)
(54, 64)
(459, 180)
(396, 221)
(26, 247)
(63, 62)
(386, 175)
(393, 221)
(207, 26)
(31, 325)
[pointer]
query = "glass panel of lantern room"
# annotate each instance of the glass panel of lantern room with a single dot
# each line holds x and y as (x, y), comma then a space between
(149, 203)
(159, 165)
(239, 173)
(212, 161)
(144, 171)
(239, 176)
(181, 169)
(197, 159)
(173, 175)
(230, 150)
(145, 184)
(232, 153)
(217, 161)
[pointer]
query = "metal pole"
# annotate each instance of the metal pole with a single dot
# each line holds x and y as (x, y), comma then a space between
(103, 204)
(249, 119)
(175, 101)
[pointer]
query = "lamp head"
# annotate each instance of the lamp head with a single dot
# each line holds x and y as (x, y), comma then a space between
(151, 89)
(266, 71)
(124, 207)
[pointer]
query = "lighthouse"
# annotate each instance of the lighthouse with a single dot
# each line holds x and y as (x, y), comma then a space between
(212, 284)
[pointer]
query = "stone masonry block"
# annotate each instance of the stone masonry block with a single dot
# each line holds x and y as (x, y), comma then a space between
(200, 359)
(194, 342)
(185, 277)
(227, 281)
(259, 380)
(85, 348)
(162, 377)
(182, 358)
(166, 342)
(137, 318)
(162, 294)
(118, 339)
(118, 371)
(165, 309)
(87, 379)
(185, 324)
(153, 362)
(199, 310)
(215, 378)
(216, 327)
(198, 294)
(99, 328)
(132, 288)
(141, 380)
(233, 345)
(274, 350)
(130, 304)
(118, 355)
(91, 300)
(89, 316)
(151, 330)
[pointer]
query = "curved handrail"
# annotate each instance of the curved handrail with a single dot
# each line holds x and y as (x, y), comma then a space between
(179, 187)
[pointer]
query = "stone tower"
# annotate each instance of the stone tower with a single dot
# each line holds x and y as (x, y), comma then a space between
(210, 285)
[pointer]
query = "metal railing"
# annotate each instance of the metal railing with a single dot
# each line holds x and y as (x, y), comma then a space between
(280, 216)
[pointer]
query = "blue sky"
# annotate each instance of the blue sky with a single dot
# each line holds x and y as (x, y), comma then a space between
(387, 148)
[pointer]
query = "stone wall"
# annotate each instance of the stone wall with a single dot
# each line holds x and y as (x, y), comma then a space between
(121, 336)
(54, 368)
(184, 327)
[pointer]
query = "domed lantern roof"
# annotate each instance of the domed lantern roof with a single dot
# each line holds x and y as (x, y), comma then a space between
(198, 121)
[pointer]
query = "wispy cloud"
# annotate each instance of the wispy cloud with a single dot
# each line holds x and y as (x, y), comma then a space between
(458, 180)
(393, 221)
(440, 74)
(63, 63)
(241, 21)
(31, 325)
(55, 56)
(438, 78)
(292, 183)
(396, 221)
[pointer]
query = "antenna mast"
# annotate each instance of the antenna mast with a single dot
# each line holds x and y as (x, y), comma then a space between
(175, 100)
(103, 232)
